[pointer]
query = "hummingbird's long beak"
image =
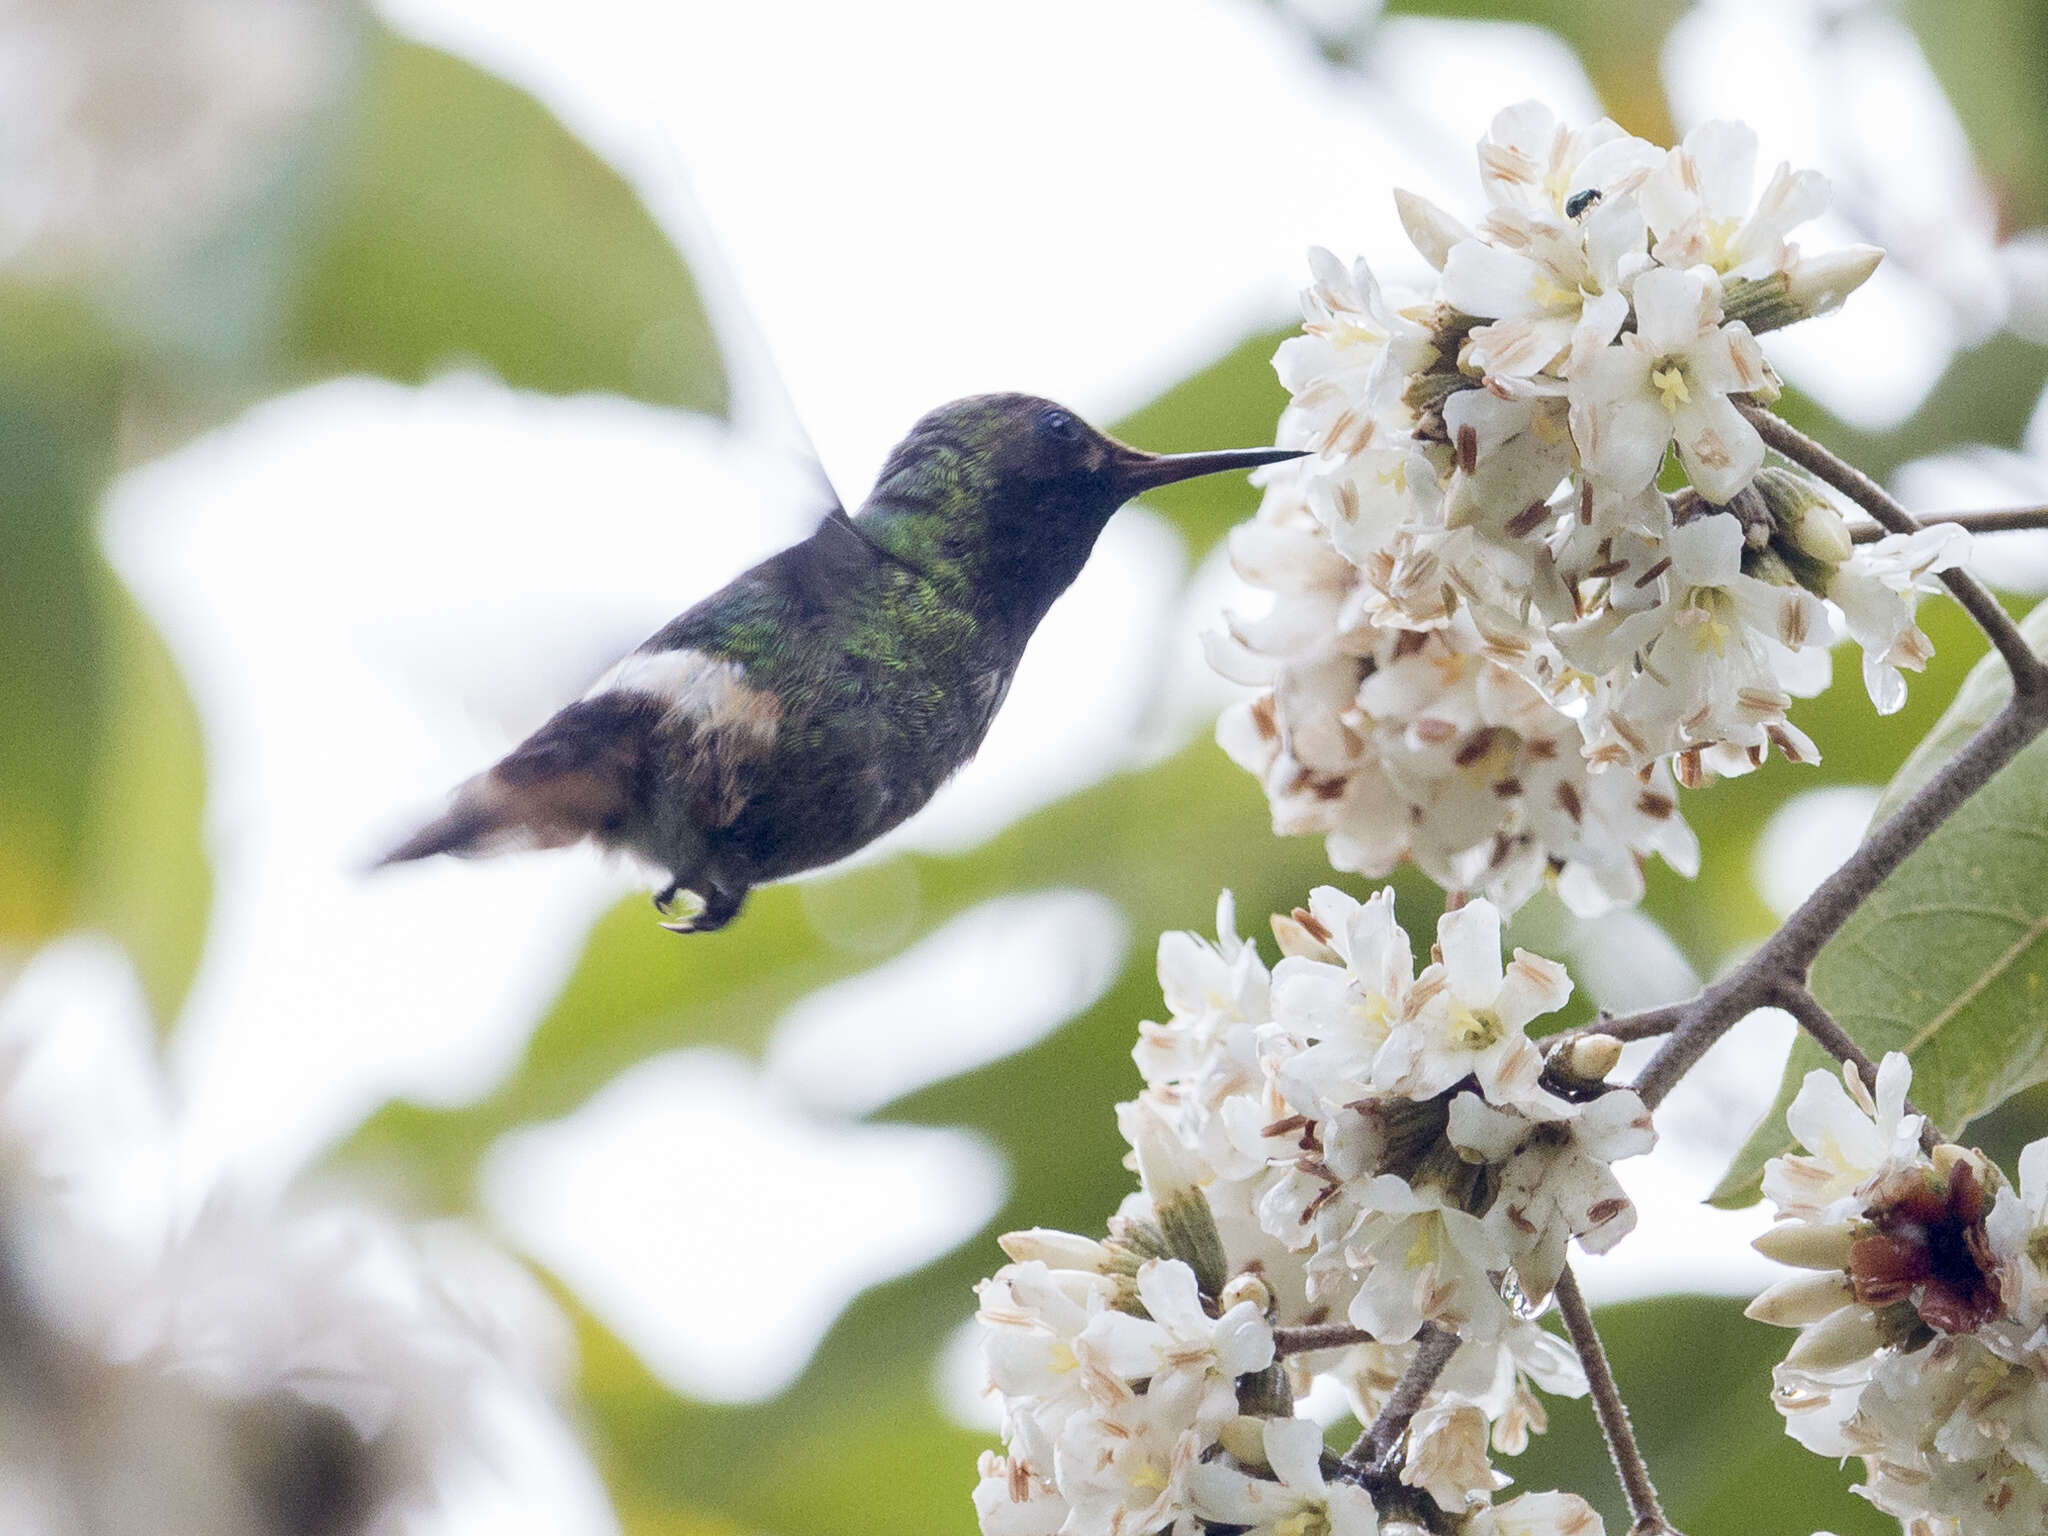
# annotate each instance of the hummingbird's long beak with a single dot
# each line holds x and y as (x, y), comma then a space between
(1137, 471)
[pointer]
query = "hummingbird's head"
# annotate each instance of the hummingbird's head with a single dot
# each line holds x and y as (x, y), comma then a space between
(1034, 448)
(1017, 489)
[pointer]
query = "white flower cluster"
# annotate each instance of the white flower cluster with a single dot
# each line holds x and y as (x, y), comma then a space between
(1340, 1142)
(1922, 1314)
(235, 1369)
(1494, 641)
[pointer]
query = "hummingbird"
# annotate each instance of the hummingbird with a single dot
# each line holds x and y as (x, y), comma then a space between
(823, 696)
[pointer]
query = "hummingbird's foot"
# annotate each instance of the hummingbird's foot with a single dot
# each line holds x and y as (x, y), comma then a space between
(665, 897)
(719, 907)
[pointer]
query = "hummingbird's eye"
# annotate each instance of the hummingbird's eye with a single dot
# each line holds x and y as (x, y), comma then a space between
(1058, 426)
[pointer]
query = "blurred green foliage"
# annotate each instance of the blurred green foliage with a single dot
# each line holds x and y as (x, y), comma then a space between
(438, 216)
(1991, 56)
(58, 404)
(460, 222)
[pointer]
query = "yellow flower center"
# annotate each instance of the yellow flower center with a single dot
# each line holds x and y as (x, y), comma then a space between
(1711, 614)
(1149, 1476)
(1306, 1522)
(1548, 427)
(1669, 381)
(1720, 235)
(1349, 332)
(1422, 1252)
(1474, 1029)
(1062, 1358)
(2037, 1248)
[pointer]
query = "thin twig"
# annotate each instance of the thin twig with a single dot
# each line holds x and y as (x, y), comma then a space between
(1800, 1002)
(1314, 1336)
(2029, 674)
(1375, 1448)
(1644, 1025)
(1646, 1514)
(1788, 954)
(2004, 520)
(1819, 1023)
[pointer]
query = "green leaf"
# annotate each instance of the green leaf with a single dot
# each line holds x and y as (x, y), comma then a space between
(146, 878)
(1720, 913)
(59, 393)
(1984, 692)
(461, 221)
(1948, 959)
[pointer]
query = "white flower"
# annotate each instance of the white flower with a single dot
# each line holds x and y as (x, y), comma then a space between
(1475, 1018)
(1345, 371)
(1499, 1377)
(1555, 1182)
(1536, 1514)
(1032, 1318)
(1346, 1010)
(1955, 1440)
(1551, 289)
(1423, 1262)
(1127, 1470)
(1012, 1500)
(1210, 990)
(1191, 1360)
(1296, 1502)
(1669, 380)
(1518, 448)
(1705, 664)
(1849, 1138)
(1532, 162)
(1447, 1445)
(1374, 495)
(1876, 590)
(2018, 1229)
(1698, 204)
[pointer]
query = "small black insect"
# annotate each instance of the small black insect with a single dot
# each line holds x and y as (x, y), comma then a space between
(1580, 201)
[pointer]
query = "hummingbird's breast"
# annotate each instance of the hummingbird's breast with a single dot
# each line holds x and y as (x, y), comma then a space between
(895, 698)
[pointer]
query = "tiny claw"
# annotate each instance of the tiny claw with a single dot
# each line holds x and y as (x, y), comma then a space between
(665, 904)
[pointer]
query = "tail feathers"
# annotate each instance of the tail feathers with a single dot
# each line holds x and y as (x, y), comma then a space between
(481, 819)
(572, 779)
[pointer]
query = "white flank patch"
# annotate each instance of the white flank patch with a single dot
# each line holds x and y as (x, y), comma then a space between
(698, 685)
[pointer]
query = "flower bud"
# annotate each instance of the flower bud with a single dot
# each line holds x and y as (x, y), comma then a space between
(1432, 230)
(1767, 565)
(1244, 1437)
(1058, 1250)
(1250, 1287)
(1587, 1058)
(1845, 1336)
(1807, 1246)
(1820, 284)
(1171, 1175)
(1816, 285)
(1299, 934)
(1800, 1300)
(1807, 521)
